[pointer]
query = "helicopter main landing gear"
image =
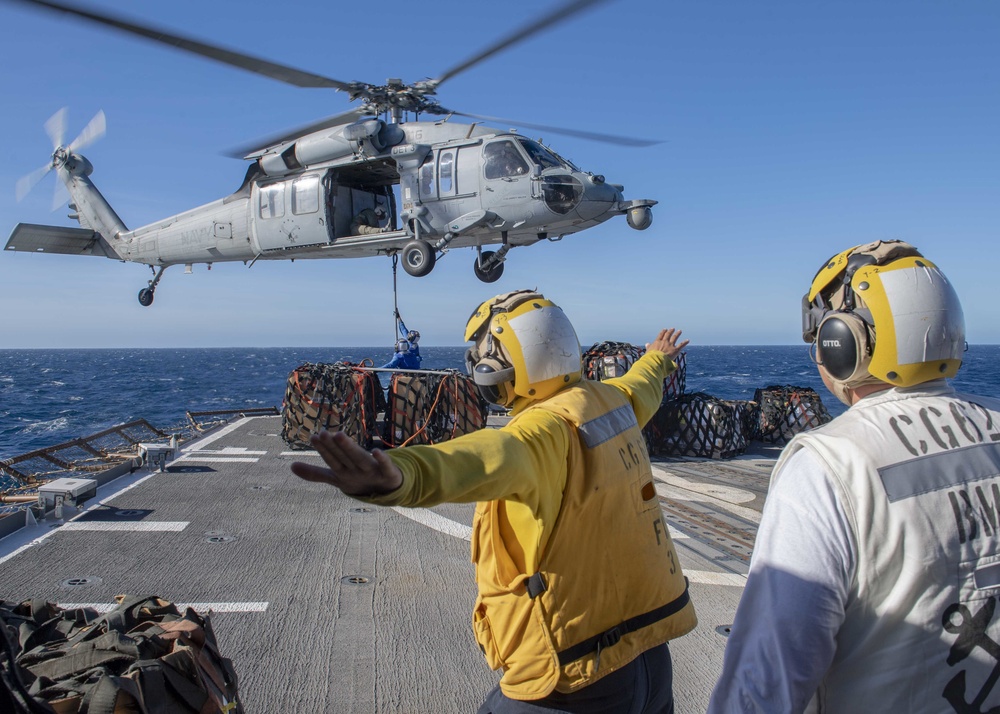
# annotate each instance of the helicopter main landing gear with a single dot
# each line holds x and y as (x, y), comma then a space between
(418, 258)
(488, 266)
(146, 294)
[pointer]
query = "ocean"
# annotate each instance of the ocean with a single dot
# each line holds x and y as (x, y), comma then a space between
(48, 397)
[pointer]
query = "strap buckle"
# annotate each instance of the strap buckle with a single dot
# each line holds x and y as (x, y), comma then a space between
(610, 638)
(536, 585)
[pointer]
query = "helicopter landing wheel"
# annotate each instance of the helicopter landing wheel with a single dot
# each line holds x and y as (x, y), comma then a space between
(487, 276)
(418, 258)
(145, 297)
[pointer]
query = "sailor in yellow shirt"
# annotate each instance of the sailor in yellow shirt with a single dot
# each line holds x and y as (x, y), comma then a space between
(580, 587)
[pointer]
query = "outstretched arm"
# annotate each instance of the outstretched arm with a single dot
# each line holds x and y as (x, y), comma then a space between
(353, 469)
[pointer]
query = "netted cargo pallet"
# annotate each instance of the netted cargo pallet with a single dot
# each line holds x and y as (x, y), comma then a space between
(336, 397)
(431, 407)
(786, 410)
(747, 416)
(606, 360)
(674, 385)
(696, 425)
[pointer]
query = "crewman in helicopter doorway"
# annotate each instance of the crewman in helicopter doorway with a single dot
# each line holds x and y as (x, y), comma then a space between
(580, 586)
(369, 221)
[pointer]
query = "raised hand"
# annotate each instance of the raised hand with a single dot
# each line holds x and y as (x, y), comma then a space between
(353, 469)
(666, 342)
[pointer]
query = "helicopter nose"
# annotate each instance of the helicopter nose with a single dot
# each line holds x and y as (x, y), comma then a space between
(598, 198)
(585, 196)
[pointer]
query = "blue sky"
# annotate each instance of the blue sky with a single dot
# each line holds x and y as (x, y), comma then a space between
(790, 130)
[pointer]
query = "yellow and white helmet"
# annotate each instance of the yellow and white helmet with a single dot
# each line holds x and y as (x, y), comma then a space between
(525, 346)
(881, 312)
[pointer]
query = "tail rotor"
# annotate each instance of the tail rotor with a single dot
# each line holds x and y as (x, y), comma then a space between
(55, 127)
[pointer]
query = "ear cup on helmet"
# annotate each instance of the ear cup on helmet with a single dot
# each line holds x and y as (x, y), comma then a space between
(843, 347)
(493, 379)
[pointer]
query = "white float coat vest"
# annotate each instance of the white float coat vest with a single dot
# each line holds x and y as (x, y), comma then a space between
(609, 584)
(918, 474)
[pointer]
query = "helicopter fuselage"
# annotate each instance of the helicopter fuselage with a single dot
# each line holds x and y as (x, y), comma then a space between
(463, 184)
(439, 186)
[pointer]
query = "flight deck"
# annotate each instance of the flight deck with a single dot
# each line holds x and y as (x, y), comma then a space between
(325, 603)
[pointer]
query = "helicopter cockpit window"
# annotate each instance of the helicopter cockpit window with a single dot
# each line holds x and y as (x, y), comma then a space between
(446, 165)
(272, 201)
(305, 195)
(539, 154)
(503, 160)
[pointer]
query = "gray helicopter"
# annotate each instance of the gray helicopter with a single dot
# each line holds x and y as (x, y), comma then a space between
(360, 183)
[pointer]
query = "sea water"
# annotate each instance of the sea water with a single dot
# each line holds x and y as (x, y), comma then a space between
(48, 397)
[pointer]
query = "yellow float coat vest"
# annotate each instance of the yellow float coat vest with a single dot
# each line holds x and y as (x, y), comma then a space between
(609, 585)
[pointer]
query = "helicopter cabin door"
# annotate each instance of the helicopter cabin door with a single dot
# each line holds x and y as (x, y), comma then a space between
(449, 182)
(289, 213)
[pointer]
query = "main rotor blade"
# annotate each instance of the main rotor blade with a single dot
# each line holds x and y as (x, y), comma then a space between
(28, 182)
(91, 133)
(593, 136)
(282, 73)
(259, 145)
(55, 127)
(563, 12)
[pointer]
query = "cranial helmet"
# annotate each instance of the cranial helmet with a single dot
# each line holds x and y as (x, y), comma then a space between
(525, 346)
(402, 345)
(882, 312)
(413, 336)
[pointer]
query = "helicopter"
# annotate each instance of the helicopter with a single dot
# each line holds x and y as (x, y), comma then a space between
(361, 183)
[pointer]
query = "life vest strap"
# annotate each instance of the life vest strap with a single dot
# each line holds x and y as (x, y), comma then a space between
(612, 635)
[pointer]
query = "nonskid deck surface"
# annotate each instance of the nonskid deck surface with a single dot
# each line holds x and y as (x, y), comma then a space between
(326, 604)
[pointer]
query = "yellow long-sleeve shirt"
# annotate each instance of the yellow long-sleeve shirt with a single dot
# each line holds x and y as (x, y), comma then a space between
(523, 463)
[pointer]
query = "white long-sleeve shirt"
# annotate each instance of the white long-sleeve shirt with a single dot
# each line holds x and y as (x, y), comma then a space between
(784, 636)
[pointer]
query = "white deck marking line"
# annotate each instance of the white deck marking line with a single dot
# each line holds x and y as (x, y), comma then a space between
(300, 453)
(52, 531)
(726, 494)
(707, 577)
(215, 459)
(228, 429)
(676, 534)
(227, 451)
(103, 607)
(435, 521)
(125, 526)
(453, 528)
(680, 493)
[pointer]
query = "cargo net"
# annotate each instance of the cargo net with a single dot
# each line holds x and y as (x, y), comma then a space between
(427, 408)
(336, 397)
(785, 411)
(699, 425)
(605, 360)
